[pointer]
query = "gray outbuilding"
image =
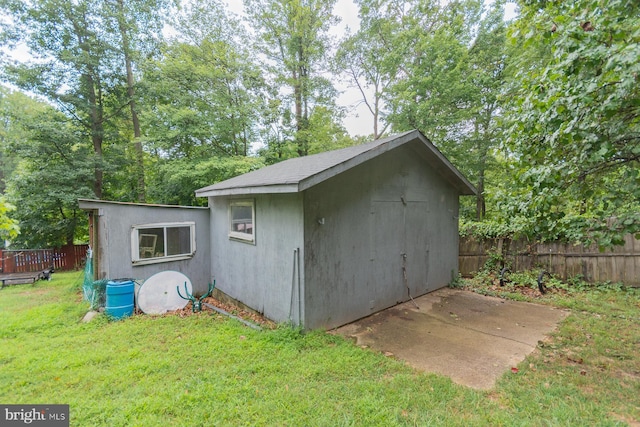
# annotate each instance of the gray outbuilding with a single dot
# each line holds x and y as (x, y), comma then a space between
(136, 241)
(329, 238)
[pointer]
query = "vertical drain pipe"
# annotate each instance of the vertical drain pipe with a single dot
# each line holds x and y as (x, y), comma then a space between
(299, 298)
(293, 285)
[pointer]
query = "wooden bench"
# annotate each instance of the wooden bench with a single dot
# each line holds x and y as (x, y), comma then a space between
(22, 278)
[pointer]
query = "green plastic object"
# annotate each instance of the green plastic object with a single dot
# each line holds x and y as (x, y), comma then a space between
(196, 303)
(94, 290)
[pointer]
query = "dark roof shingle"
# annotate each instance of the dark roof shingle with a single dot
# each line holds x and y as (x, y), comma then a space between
(297, 174)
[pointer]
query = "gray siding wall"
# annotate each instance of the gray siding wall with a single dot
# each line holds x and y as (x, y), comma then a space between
(359, 224)
(261, 274)
(115, 222)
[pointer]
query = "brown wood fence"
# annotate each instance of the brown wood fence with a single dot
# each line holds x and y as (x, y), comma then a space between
(620, 264)
(69, 257)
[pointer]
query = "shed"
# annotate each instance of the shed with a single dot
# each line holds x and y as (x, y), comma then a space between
(326, 239)
(135, 240)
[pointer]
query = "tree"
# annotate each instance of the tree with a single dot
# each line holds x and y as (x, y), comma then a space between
(294, 41)
(575, 118)
(205, 89)
(9, 228)
(207, 97)
(68, 65)
(53, 169)
(139, 25)
(486, 63)
(326, 132)
(12, 104)
(379, 56)
(439, 69)
(359, 56)
(181, 177)
(431, 92)
(78, 52)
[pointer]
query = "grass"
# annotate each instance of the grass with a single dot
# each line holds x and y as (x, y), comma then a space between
(206, 369)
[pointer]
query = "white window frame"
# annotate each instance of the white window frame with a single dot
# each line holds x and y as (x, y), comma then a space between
(238, 235)
(137, 230)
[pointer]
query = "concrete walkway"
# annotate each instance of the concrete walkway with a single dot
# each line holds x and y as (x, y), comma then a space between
(472, 339)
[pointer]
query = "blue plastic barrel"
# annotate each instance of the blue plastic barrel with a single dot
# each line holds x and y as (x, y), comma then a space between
(119, 302)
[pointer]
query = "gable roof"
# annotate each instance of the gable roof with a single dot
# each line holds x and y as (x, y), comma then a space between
(298, 174)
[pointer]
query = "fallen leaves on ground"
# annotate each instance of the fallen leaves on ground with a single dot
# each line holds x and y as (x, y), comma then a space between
(229, 308)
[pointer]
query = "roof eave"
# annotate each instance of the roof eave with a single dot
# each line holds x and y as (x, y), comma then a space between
(457, 179)
(264, 189)
(469, 191)
(92, 204)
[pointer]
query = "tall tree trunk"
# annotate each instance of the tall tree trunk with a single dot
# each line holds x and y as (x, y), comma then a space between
(137, 144)
(97, 133)
(96, 113)
(375, 120)
(297, 92)
(481, 207)
(299, 89)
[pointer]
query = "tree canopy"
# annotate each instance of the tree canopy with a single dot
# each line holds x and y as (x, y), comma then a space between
(573, 121)
(148, 100)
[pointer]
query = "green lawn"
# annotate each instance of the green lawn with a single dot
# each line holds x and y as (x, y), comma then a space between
(208, 370)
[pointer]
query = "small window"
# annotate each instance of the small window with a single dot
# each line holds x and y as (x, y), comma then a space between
(242, 220)
(153, 243)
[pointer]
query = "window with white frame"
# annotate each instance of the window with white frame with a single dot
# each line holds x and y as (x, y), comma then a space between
(151, 243)
(242, 220)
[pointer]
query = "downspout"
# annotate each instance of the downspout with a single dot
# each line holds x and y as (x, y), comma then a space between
(295, 286)
(299, 298)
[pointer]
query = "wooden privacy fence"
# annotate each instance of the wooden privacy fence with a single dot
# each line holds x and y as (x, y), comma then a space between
(620, 264)
(70, 257)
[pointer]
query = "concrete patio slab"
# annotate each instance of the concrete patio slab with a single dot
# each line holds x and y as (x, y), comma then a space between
(472, 339)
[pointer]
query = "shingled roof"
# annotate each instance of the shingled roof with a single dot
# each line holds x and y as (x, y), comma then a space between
(298, 174)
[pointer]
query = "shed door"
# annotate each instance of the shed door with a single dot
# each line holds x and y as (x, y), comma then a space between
(400, 250)
(387, 235)
(416, 247)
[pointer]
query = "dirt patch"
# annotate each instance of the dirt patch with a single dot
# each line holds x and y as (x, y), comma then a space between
(229, 308)
(631, 422)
